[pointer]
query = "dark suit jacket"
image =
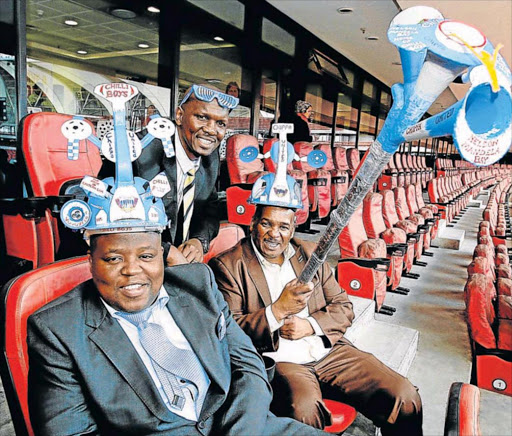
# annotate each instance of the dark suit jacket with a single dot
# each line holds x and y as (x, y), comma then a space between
(204, 223)
(86, 377)
(241, 280)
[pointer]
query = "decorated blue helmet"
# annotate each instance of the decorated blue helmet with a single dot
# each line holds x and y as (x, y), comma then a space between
(123, 203)
(278, 189)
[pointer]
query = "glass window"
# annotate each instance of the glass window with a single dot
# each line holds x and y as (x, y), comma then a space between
(277, 37)
(367, 128)
(321, 125)
(346, 122)
(268, 100)
(73, 46)
(7, 102)
(385, 99)
(369, 89)
(322, 64)
(218, 63)
(230, 11)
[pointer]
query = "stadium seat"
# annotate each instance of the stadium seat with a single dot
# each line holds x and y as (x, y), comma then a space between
(462, 411)
(362, 269)
(21, 297)
(396, 240)
(229, 234)
(339, 176)
(492, 352)
(319, 182)
(47, 173)
(242, 175)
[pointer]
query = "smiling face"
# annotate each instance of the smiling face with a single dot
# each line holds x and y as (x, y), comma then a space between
(127, 269)
(201, 126)
(271, 230)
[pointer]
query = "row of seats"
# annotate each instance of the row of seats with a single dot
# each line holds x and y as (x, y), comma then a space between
(488, 298)
(386, 235)
(404, 169)
(497, 211)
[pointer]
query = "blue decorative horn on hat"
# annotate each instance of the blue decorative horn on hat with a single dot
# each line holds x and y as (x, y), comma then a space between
(123, 203)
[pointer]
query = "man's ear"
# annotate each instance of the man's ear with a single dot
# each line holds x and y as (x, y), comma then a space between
(179, 115)
(89, 258)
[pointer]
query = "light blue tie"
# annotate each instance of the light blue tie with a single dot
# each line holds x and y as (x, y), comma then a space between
(169, 361)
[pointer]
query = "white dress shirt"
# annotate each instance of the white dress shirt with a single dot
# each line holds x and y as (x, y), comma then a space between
(183, 165)
(161, 316)
(304, 350)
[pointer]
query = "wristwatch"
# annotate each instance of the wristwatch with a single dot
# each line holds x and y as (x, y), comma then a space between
(205, 243)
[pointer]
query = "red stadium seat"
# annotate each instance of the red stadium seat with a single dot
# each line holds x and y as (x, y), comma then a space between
(395, 239)
(229, 235)
(21, 297)
(47, 172)
(492, 365)
(363, 265)
(242, 175)
(319, 182)
(339, 176)
(342, 416)
(462, 411)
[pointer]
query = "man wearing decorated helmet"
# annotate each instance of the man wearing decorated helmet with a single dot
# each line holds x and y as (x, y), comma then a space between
(140, 349)
(302, 325)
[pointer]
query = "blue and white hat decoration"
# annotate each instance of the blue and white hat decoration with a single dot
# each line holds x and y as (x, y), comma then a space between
(125, 203)
(277, 189)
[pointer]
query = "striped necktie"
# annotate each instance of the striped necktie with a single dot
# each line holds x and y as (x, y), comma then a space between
(188, 200)
(171, 363)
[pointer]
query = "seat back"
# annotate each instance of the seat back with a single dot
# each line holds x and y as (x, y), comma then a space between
(462, 410)
(229, 235)
(340, 158)
(45, 154)
(372, 215)
(21, 297)
(302, 149)
(237, 169)
(389, 208)
(410, 195)
(402, 209)
(353, 159)
(353, 235)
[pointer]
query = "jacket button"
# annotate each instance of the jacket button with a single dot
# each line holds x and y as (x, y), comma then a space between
(201, 424)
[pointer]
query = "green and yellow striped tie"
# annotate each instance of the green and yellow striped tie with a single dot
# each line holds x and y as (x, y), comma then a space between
(188, 201)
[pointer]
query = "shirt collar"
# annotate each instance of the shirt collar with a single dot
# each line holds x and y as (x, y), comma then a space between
(185, 163)
(161, 301)
(288, 253)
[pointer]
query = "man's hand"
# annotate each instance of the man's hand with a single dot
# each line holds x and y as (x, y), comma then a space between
(292, 300)
(296, 328)
(175, 257)
(192, 250)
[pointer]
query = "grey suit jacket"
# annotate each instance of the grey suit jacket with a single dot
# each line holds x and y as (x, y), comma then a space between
(85, 376)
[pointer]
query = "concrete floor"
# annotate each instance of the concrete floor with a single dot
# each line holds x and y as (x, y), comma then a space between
(435, 308)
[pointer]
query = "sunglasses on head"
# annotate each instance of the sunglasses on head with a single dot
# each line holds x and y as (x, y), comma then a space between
(206, 94)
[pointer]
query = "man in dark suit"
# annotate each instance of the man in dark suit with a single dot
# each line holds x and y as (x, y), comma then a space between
(89, 375)
(201, 126)
(302, 327)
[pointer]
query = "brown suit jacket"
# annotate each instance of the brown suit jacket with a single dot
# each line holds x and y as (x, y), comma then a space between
(241, 280)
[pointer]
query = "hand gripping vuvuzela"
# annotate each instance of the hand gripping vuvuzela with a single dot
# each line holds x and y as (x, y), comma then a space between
(433, 51)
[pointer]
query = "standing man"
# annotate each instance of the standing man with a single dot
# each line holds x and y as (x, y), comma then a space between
(192, 203)
(303, 114)
(302, 325)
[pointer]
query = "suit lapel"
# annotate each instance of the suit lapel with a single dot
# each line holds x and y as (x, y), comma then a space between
(111, 339)
(169, 165)
(255, 272)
